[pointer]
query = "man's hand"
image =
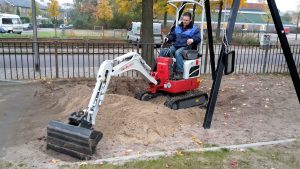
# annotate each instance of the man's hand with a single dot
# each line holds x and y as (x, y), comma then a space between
(166, 40)
(189, 41)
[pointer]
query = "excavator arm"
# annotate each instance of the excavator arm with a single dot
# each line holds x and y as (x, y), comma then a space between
(109, 68)
(78, 138)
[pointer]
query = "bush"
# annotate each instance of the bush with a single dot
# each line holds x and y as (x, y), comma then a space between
(46, 25)
(119, 21)
(25, 19)
(83, 22)
(245, 38)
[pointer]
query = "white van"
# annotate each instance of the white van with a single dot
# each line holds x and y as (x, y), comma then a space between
(134, 35)
(11, 23)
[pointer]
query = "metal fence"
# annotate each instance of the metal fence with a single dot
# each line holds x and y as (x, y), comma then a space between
(65, 59)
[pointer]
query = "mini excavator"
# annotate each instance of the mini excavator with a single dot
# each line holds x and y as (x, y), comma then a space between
(78, 137)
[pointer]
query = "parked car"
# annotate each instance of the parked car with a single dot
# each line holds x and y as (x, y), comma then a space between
(27, 26)
(287, 30)
(134, 35)
(64, 26)
(2, 30)
(11, 23)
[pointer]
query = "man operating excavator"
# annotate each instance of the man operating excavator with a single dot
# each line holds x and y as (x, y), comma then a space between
(186, 35)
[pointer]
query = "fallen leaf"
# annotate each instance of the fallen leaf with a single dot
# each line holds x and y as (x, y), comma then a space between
(83, 163)
(179, 153)
(54, 161)
(196, 140)
(234, 164)
(129, 150)
(226, 115)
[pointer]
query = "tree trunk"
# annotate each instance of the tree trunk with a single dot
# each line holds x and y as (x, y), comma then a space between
(219, 20)
(35, 44)
(55, 25)
(165, 19)
(147, 32)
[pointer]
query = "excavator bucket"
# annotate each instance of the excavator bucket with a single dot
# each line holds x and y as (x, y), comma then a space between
(73, 140)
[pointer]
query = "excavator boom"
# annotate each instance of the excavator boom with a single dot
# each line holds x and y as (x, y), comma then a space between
(77, 137)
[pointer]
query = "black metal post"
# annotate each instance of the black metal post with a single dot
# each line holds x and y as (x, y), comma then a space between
(297, 29)
(56, 60)
(220, 68)
(285, 46)
(210, 39)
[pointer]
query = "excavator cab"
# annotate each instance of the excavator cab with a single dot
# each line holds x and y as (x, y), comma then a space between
(191, 56)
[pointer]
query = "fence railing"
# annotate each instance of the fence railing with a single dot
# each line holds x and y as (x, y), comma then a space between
(62, 59)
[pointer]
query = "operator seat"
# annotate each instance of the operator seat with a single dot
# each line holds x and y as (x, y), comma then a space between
(192, 53)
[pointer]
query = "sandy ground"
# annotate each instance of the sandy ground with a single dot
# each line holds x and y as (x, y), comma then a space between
(250, 108)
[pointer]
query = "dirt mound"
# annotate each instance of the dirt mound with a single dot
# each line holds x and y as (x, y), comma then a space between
(75, 98)
(128, 120)
(122, 118)
(126, 86)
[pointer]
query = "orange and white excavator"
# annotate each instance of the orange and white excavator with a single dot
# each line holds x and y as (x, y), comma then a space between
(77, 138)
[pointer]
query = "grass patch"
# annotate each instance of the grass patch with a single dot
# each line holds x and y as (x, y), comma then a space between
(207, 145)
(4, 165)
(68, 34)
(187, 160)
(5, 35)
(48, 34)
(64, 167)
(286, 156)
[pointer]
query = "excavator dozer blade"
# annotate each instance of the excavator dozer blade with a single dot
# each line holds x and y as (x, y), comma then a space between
(73, 140)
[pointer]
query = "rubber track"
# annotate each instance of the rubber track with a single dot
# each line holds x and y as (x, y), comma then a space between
(190, 95)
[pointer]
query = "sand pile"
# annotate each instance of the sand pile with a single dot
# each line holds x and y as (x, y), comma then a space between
(128, 120)
(123, 118)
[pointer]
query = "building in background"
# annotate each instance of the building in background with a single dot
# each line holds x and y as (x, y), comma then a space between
(255, 16)
(24, 7)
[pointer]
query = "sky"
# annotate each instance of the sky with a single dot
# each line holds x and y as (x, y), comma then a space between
(283, 5)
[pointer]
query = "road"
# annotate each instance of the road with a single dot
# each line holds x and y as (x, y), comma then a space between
(16, 63)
